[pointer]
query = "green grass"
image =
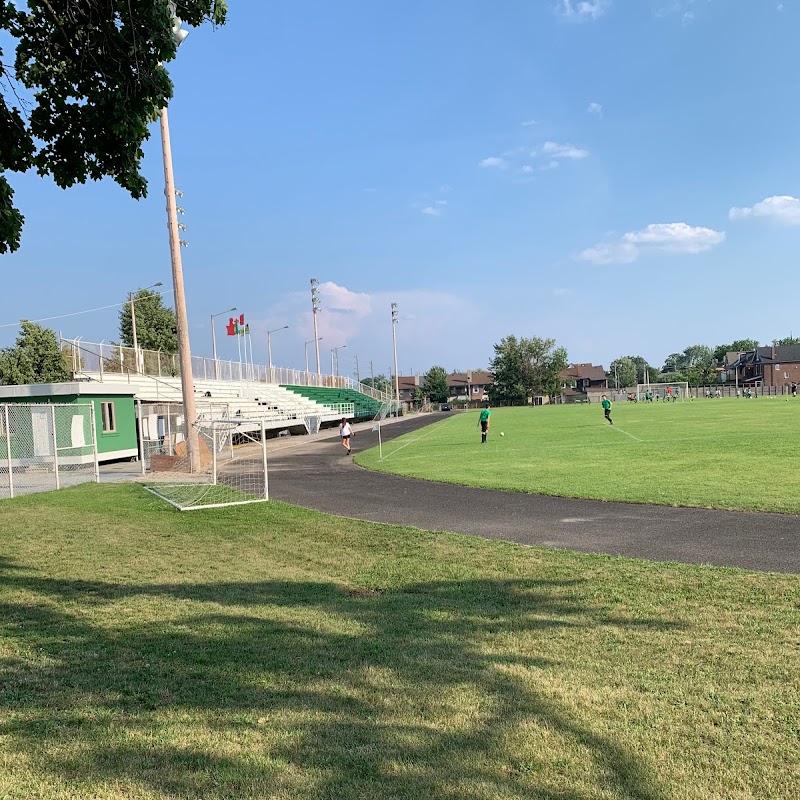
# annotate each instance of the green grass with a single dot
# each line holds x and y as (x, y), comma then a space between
(738, 454)
(271, 652)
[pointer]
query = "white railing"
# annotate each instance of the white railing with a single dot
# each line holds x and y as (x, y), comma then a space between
(105, 357)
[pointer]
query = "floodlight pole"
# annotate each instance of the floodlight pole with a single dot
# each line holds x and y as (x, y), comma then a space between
(184, 351)
(269, 347)
(131, 295)
(395, 318)
(315, 306)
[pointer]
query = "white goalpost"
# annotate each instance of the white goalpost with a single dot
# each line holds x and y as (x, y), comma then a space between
(232, 467)
(674, 390)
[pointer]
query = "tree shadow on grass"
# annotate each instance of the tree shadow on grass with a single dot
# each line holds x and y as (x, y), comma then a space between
(300, 689)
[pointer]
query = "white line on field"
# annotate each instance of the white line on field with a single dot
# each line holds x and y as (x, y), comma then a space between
(619, 430)
(412, 441)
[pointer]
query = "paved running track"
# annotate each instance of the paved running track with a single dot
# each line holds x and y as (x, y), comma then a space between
(319, 474)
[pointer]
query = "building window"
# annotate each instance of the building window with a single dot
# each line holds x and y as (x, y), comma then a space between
(777, 367)
(109, 417)
(785, 374)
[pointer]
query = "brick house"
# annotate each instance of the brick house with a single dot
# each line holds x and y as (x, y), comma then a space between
(767, 366)
(583, 382)
(473, 385)
(407, 385)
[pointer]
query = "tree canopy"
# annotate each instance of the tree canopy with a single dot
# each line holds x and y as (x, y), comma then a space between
(524, 368)
(155, 323)
(34, 358)
(86, 82)
(434, 385)
(739, 346)
(786, 340)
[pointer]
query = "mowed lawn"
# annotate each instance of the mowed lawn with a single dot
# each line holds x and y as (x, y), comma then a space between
(729, 453)
(271, 652)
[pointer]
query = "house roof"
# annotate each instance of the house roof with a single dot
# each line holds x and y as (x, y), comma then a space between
(476, 377)
(590, 371)
(784, 354)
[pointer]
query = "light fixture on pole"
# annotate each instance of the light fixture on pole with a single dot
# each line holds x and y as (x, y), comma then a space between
(395, 319)
(269, 348)
(310, 341)
(315, 307)
(214, 339)
(184, 351)
(137, 358)
(335, 355)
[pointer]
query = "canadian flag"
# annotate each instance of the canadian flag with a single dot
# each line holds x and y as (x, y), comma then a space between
(235, 326)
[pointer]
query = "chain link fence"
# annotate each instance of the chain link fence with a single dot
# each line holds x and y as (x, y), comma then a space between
(45, 446)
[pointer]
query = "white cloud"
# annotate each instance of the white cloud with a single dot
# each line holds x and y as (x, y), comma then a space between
(669, 237)
(441, 202)
(529, 123)
(687, 18)
(556, 150)
(594, 108)
(526, 169)
(494, 161)
(782, 208)
(581, 10)
(432, 211)
(562, 292)
(610, 253)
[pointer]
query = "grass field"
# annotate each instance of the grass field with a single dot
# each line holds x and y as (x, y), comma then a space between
(739, 454)
(270, 652)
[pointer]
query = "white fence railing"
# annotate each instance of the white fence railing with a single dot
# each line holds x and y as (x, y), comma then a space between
(46, 446)
(102, 357)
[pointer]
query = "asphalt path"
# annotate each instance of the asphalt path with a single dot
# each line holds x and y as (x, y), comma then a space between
(317, 473)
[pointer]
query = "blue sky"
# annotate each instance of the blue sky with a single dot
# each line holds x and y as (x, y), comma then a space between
(619, 175)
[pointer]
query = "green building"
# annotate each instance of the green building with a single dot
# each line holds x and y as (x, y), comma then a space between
(114, 418)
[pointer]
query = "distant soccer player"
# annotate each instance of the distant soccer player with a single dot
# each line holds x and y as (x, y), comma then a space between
(345, 432)
(486, 413)
(668, 396)
(648, 396)
(606, 403)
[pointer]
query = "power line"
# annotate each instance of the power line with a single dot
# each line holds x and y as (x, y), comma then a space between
(74, 313)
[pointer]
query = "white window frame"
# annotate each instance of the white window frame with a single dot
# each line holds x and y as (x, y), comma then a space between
(109, 419)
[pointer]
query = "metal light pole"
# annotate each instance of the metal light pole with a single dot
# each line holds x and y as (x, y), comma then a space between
(335, 353)
(184, 351)
(269, 347)
(395, 319)
(315, 306)
(137, 360)
(310, 341)
(214, 339)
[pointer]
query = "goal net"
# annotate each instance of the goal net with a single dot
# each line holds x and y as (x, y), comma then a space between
(675, 390)
(228, 467)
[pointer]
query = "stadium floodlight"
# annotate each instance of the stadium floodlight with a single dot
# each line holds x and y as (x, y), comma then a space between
(315, 307)
(175, 243)
(136, 357)
(395, 320)
(269, 347)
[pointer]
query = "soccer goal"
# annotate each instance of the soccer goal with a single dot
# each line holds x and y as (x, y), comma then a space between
(675, 390)
(229, 467)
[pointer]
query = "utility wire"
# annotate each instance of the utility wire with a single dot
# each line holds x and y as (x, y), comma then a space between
(74, 313)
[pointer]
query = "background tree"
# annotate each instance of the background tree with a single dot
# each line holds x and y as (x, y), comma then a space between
(508, 387)
(380, 384)
(86, 82)
(526, 368)
(34, 358)
(155, 323)
(786, 340)
(434, 385)
(622, 373)
(739, 346)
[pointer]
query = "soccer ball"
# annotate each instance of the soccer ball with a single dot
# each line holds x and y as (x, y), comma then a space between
(501, 433)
